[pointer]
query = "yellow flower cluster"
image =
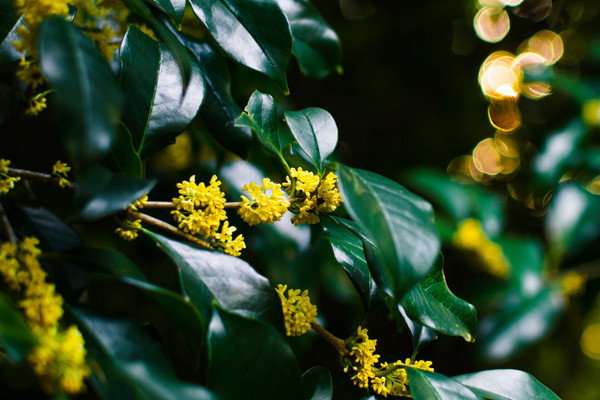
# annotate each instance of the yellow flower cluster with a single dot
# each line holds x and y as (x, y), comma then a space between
(30, 73)
(265, 208)
(387, 379)
(61, 170)
(129, 232)
(314, 195)
(102, 38)
(469, 236)
(59, 359)
(35, 11)
(573, 283)
(200, 210)
(6, 182)
(298, 313)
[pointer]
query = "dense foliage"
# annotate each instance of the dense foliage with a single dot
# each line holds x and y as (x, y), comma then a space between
(173, 226)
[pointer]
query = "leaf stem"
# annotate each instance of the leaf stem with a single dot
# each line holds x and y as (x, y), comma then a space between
(10, 234)
(336, 342)
(169, 228)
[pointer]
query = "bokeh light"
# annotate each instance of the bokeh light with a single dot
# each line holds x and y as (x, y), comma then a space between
(590, 341)
(491, 24)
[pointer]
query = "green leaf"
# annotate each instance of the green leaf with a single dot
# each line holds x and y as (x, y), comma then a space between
(421, 334)
(348, 251)
(231, 281)
(519, 323)
(50, 229)
(250, 360)
(571, 220)
(399, 224)
(86, 89)
(559, 152)
(315, 131)
(219, 110)
(526, 260)
(431, 303)
(122, 157)
(315, 45)
(129, 363)
(261, 115)
(317, 384)
(175, 8)
(101, 193)
(506, 384)
(16, 340)
(254, 33)
(426, 385)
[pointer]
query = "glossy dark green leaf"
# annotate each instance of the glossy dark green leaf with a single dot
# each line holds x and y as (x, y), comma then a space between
(16, 340)
(122, 157)
(105, 261)
(161, 26)
(348, 251)
(250, 359)
(52, 230)
(421, 334)
(400, 225)
(175, 8)
(506, 384)
(317, 384)
(86, 89)
(559, 152)
(431, 303)
(220, 110)
(140, 62)
(315, 45)
(261, 116)
(129, 363)
(315, 131)
(102, 193)
(426, 385)
(571, 220)
(519, 322)
(233, 283)
(254, 33)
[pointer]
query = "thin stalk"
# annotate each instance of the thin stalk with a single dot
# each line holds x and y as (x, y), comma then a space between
(336, 342)
(10, 234)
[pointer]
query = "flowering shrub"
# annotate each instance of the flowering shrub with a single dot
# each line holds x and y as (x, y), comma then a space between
(155, 261)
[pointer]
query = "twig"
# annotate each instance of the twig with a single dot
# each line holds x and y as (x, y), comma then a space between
(336, 342)
(10, 234)
(169, 228)
(35, 176)
(169, 204)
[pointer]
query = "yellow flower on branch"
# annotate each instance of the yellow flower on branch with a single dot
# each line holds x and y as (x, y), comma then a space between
(263, 207)
(298, 312)
(129, 232)
(6, 182)
(61, 170)
(224, 241)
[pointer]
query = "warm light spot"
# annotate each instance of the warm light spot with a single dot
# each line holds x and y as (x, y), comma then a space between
(509, 164)
(490, 3)
(511, 3)
(486, 158)
(464, 167)
(491, 24)
(497, 78)
(504, 115)
(507, 144)
(591, 112)
(528, 59)
(590, 341)
(594, 185)
(548, 44)
(535, 90)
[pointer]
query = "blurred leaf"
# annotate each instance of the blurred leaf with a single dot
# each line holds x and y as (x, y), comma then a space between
(261, 115)
(399, 223)
(506, 384)
(317, 384)
(105, 261)
(421, 334)
(102, 193)
(60, 236)
(519, 323)
(231, 281)
(426, 385)
(16, 340)
(458, 200)
(122, 157)
(572, 218)
(219, 110)
(315, 45)
(348, 251)
(175, 8)
(526, 260)
(315, 131)
(86, 90)
(250, 360)
(129, 363)
(559, 152)
(254, 33)
(431, 303)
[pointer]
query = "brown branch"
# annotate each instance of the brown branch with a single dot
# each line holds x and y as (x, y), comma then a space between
(336, 342)
(169, 228)
(10, 234)
(35, 176)
(159, 204)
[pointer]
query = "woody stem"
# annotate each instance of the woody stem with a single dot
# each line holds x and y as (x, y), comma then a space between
(336, 342)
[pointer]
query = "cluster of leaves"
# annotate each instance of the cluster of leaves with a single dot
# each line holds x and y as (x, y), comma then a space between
(208, 325)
